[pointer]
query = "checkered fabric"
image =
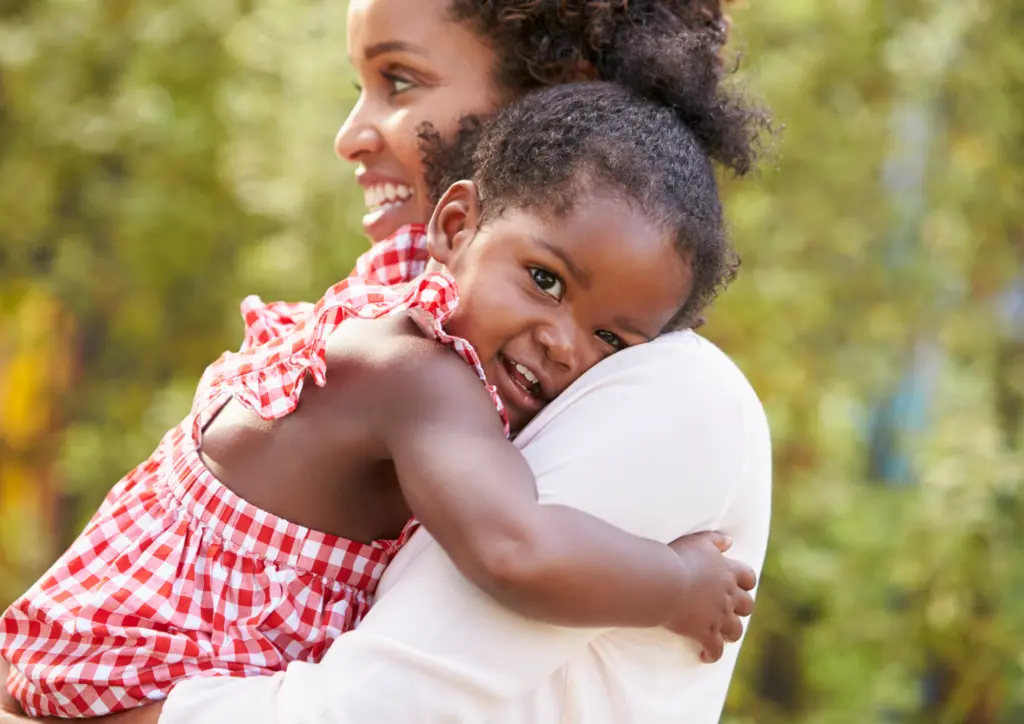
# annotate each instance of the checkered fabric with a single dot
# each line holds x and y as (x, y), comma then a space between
(396, 260)
(176, 576)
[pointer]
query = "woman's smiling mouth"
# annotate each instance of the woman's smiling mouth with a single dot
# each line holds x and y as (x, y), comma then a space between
(384, 195)
(388, 204)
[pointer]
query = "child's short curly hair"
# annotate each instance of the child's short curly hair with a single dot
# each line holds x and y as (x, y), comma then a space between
(552, 147)
(665, 50)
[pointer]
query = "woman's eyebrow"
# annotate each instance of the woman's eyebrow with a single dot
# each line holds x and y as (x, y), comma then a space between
(392, 46)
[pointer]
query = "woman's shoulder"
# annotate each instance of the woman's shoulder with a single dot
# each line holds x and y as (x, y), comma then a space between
(677, 363)
(680, 387)
(668, 436)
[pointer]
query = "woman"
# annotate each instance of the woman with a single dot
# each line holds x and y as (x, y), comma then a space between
(432, 648)
(433, 63)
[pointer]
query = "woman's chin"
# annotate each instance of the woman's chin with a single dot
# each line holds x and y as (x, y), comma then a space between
(382, 222)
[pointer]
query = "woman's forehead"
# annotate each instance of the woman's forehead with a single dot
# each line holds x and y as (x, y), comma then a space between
(416, 22)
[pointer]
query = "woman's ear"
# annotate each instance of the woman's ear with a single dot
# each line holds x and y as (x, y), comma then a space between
(454, 222)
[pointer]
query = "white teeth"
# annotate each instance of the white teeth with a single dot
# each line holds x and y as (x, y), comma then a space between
(382, 195)
(527, 374)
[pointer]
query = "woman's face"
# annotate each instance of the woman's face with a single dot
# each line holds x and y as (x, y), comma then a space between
(414, 65)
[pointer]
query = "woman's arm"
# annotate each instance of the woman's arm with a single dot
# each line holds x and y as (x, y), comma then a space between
(476, 495)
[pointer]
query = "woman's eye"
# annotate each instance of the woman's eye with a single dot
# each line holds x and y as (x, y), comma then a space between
(611, 339)
(397, 83)
(547, 282)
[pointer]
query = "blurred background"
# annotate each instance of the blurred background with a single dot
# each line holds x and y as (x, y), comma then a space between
(159, 161)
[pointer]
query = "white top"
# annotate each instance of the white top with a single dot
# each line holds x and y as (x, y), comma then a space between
(661, 439)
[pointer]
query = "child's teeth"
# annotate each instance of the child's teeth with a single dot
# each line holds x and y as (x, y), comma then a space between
(527, 374)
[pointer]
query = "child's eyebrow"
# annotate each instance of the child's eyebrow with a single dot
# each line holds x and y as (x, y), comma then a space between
(581, 276)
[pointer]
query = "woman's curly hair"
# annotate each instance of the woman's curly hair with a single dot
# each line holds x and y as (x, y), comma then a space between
(666, 50)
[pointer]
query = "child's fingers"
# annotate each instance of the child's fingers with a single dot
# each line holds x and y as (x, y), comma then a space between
(687, 542)
(721, 540)
(745, 576)
(743, 603)
(712, 649)
(732, 630)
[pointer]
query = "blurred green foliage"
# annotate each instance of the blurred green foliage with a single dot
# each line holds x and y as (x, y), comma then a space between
(160, 161)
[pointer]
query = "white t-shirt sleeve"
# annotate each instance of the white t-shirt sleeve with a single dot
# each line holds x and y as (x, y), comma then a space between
(652, 440)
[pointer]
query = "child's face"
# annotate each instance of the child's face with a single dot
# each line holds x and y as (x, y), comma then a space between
(415, 65)
(544, 298)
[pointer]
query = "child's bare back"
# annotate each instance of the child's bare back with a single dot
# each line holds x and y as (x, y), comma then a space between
(324, 466)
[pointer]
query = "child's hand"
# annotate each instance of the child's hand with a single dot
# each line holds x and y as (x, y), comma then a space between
(717, 593)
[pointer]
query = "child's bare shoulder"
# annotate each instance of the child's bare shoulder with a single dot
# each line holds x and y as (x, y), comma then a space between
(388, 365)
(388, 349)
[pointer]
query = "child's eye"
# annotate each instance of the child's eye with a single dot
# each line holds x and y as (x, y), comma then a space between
(547, 282)
(611, 339)
(397, 83)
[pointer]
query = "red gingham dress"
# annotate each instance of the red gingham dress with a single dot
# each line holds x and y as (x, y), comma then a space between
(176, 576)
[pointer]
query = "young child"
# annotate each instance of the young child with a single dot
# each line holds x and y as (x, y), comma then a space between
(255, 533)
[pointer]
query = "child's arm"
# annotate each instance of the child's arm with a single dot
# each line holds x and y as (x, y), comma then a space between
(476, 495)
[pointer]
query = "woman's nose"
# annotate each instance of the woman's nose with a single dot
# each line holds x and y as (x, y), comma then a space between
(358, 135)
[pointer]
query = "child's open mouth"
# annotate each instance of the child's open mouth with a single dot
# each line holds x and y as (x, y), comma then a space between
(524, 378)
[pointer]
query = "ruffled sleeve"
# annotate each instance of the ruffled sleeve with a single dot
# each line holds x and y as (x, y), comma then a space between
(268, 377)
(399, 259)
(265, 322)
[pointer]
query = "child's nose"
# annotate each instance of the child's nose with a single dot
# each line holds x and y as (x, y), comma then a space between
(559, 340)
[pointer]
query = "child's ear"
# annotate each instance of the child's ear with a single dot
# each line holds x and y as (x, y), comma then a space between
(454, 221)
